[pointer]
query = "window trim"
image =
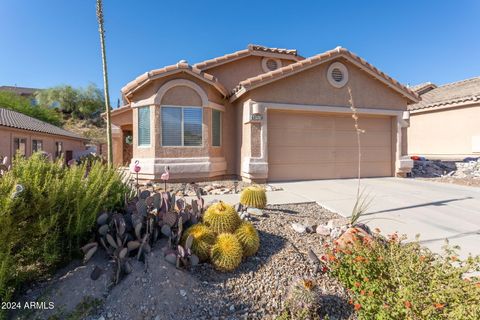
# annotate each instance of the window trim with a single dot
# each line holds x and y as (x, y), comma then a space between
(182, 126)
(221, 123)
(37, 140)
(149, 145)
(13, 145)
(62, 152)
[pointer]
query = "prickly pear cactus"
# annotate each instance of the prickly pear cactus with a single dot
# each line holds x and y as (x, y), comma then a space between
(221, 217)
(254, 196)
(248, 237)
(226, 253)
(203, 239)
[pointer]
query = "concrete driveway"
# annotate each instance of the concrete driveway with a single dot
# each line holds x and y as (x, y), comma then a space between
(436, 211)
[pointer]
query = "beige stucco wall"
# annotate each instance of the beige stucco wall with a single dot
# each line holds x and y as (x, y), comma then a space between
(8, 134)
(312, 87)
(444, 133)
(182, 95)
(230, 74)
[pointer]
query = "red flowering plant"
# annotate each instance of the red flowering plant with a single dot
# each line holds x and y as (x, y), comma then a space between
(391, 279)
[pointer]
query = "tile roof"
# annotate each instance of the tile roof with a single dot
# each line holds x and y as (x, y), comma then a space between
(13, 119)
(252, 49)
(19, 90)
(423, 87)
(293, 68)
(451, 94)
(181, 66)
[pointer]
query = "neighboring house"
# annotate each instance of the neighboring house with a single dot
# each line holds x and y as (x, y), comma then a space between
(446, 123)
(264, 114)
(24, 134)
(22, 91)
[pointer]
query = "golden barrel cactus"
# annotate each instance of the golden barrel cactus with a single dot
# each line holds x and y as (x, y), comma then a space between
(254, 196)
(248, 237)
(226, 253)
(203, 239)
(221, 217)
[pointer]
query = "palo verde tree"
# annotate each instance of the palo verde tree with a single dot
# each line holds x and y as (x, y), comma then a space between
(101, 31)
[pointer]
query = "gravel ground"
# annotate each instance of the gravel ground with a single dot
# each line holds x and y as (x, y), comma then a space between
(257, 289)
(156, 290)
(472, 182)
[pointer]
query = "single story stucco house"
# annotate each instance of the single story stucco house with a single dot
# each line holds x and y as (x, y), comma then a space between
(445, 124)
(264, 114)
(25, 135)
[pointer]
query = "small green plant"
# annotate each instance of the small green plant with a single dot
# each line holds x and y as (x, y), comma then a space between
(254, 196)
(226, 253)
(221, 217)
(389, 279)
(203, 239)
(248, 237)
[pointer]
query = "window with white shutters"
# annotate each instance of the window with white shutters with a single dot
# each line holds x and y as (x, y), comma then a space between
(181, 126)
(216, 128)
(144, 126)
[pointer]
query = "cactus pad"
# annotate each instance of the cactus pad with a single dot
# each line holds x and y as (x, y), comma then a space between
(254, 196)
(203, 239)
(226, 253)
(221, 217)
(248, 237)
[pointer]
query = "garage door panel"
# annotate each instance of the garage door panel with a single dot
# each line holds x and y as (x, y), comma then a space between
(287, 172)
(295, 137)
(303, 155)
(365, 123)
(301, 121)
(304, 146)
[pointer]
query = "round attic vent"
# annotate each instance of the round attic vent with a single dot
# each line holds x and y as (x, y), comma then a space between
(270, 64)
(337, 74)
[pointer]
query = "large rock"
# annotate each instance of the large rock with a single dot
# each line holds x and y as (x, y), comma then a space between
(353, 235)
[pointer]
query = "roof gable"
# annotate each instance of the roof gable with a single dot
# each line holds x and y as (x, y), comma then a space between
(265, 78)
(252, 49)
(180, 67)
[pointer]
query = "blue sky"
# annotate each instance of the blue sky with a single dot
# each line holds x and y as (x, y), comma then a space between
(51, 42)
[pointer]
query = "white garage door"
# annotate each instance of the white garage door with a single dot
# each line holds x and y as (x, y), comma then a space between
(305, 146)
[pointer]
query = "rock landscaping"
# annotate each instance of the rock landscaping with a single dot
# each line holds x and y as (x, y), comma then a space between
(465, 172)
(156, 289)
(208, 187)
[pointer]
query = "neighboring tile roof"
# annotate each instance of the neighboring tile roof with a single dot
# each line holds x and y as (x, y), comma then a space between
(423, 87)
(451, 94)
(181, 66)
(23, 91)
(293, 68)
(13, 119)
(251, 49)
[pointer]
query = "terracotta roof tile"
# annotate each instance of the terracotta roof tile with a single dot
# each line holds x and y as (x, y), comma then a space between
(179, 67)
(251, 49)
(264, 78)
(451, 94)
(13, 119)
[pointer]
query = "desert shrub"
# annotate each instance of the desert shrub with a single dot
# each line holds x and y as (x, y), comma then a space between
(390, 279)
(44, 225)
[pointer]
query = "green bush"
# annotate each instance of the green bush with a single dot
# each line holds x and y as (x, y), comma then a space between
(396, 280)
(44, 226)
